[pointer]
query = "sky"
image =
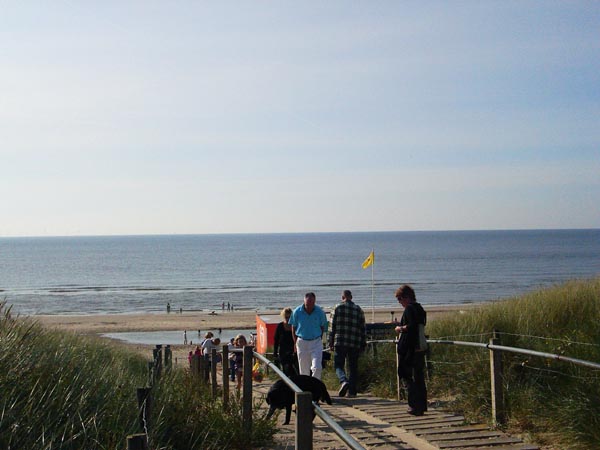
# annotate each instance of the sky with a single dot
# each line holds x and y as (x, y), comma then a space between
(185, 117)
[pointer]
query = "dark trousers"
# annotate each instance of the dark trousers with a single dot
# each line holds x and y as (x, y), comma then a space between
(339, 364)
(289, 364)
(412, 374)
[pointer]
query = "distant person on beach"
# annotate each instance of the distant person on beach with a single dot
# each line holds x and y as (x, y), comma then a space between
(347, 339)
(184, 337)
(411, 362)
(228, 306)
(168, 308)
(284, 349)
(207, 346)
(240, 342)
(208, 336)
(230, 347)
(308, 323)
(216, 342)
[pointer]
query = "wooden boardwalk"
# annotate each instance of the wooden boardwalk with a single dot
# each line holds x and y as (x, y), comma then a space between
(384, 424)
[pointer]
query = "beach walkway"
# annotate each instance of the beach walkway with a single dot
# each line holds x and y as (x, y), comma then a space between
(383, 424)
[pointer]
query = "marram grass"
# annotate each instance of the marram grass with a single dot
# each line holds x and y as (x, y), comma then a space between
(63, 391)
(556, 403)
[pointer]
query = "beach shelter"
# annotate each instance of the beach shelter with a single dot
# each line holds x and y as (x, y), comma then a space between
(265, 332)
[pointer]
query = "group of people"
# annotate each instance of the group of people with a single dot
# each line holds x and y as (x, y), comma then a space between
(298, 345)
(236, 359)
(228, 305)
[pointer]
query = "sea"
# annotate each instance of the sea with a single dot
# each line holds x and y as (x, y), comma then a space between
(141, 274)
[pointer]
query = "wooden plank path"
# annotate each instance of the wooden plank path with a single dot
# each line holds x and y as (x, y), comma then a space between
(384, 424)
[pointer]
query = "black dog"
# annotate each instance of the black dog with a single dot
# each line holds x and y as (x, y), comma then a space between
(281, 396)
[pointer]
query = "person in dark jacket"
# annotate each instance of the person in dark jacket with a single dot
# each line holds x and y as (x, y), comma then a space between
(347, 339)
(284, 348)
(411, 361)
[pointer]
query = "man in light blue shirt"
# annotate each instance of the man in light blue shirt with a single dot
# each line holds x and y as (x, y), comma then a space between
(308, 323)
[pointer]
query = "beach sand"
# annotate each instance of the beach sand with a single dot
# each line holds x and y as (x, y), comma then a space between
(98, 324)
(111, 323)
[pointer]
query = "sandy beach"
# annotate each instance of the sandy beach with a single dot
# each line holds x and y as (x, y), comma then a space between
(243, 319)
(111, 323)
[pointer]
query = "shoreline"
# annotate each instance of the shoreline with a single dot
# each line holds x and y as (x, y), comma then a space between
(174, 321)
(99, 324)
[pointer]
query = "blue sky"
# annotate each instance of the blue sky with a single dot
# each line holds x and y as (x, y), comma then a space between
(234, 117)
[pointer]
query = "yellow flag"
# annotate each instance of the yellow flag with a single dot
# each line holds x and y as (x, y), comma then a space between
(370, 260)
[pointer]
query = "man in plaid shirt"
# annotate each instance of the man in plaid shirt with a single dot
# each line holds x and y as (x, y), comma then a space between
(347, 339)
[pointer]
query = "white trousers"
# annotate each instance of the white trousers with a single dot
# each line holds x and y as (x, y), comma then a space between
(310, 357)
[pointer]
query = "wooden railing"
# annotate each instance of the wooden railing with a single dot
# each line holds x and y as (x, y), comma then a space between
(496, 368)
(208, 374)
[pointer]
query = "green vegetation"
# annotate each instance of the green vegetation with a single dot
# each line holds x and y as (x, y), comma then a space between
(62, 391)
(554, 402)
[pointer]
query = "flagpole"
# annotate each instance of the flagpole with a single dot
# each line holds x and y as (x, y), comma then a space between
(373, 288)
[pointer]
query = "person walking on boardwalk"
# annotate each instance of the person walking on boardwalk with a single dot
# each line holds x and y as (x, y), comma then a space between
(283, 347)
(411, 361)
(308, 323)
(347, 338)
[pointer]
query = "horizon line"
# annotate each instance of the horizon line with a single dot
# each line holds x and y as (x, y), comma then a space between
(291, 232)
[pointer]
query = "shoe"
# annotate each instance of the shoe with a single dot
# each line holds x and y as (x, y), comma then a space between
(414, 412)
(351, 395)
(344, 389)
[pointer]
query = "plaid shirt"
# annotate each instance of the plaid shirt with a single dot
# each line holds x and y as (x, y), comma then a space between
(348, 326)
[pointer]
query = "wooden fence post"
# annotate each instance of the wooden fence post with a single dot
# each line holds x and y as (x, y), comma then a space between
(195, 367)
(157, 353)
(304, 418)
(225, 367)
(150, 373)
(144, 399)
(247, 391)
(398, 380)
(168, 359)
(203, 370)
(213, 371)
(137, 442)
(496, 378)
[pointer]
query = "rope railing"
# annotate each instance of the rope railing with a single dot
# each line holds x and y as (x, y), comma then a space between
(504, 348)
(496, 371)
(522, 351)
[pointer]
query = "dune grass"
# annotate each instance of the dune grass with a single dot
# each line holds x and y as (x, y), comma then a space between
(63, 391)
(555, 403)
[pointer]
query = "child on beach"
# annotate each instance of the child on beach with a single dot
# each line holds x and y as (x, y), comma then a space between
(240, 342)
